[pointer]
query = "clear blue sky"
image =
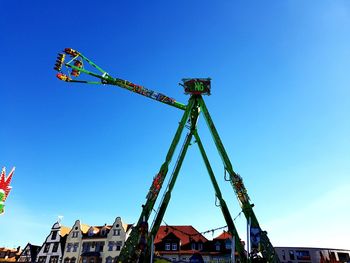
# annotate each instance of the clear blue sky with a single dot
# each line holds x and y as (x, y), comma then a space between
(280, 101)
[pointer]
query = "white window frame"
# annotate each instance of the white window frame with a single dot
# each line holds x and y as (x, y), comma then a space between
(174, 246)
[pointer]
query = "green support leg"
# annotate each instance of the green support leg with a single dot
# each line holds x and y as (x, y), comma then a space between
(231, 226)
(130, 250)
(164, 203)
(239, 188)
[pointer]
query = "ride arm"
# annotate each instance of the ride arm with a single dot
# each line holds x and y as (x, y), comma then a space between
(75, 66)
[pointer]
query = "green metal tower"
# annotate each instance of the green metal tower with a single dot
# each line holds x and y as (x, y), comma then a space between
(137, 246)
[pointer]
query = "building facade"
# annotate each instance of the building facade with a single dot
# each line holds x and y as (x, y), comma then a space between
(29, 253)
(186, 244)
(312, 255)
(9, 254)
(52, 249)
(95, 244)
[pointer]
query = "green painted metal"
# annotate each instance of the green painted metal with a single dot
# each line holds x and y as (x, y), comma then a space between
(130, 249)
(165, 201)
(105, 78)
(226, 213)
(237, 183)
(131, 252)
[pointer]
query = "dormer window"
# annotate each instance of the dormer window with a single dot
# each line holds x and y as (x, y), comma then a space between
(200, 246)
(193, 246)
(91, 232)
(174, 246)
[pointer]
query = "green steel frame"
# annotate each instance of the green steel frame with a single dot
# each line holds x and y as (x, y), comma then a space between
(133, 250)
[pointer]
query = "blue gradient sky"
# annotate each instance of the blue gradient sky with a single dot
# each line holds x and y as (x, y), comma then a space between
(280, 101)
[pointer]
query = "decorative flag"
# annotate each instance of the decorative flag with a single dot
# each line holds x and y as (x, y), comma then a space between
(5, 187)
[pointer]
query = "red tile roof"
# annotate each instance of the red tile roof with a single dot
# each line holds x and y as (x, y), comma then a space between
(184, 233)
(224, 235)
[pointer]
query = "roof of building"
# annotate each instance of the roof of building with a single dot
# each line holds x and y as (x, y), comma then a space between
(127, 226)
(84, 228)
(11, 254)
(185, 233)
(223, 236)
(96, 231)
(33, 249)
(64, 230)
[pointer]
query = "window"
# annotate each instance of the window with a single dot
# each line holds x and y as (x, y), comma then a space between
(92, 260)
(54, 259)
(343, 257)
(75, 247)
(86, 247)
(303, 255)
(119, 245)
(116, 232)
(228, 244)
(217, 246)
(66, 260)
(84, 260)
(167, 246)
(109, 260)
(75, 234)
(291, 255)
(99, 246)
(69, 247)
(72, 260)
(42, 259)
(91, 232)
(173, 246)
(54, 235)
(110, 245)
(47, 248)
(55, 247)
(193, 246)
(200, 246)
(283, 255)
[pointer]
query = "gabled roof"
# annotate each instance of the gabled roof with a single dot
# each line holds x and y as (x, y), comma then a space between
(223, 236)
(186, 234)
(96, 231)
(64, 230)
(84, 228)
(33, 250)
(127, 226)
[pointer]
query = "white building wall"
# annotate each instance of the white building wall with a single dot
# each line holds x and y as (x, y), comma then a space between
(51, 247)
